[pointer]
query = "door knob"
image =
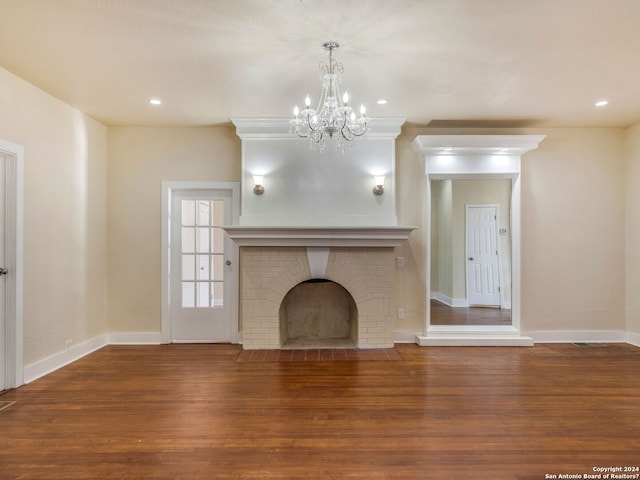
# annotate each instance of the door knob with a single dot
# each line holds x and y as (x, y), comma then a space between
(3, 271)
(471, 258)
(228, 262)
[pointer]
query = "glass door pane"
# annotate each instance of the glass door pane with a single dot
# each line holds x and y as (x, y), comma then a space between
(202, 253)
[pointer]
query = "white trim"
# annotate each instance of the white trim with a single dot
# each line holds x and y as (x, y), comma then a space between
(318, 259)
(448, 301)
(477, 144)
(633, 338)
(134, 338)
(476, 156)
(474, 335)
(254, 236)
(456, 340)
(14, 213)
(573, 336)
(278, 128)
(167, 192)
(58, 360)
(444, 337)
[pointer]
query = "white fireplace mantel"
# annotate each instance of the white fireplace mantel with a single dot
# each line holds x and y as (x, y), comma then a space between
(300, 236)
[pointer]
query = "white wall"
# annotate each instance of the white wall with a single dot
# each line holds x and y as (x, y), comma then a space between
(64, 217)
(632, 232)
(309, 187)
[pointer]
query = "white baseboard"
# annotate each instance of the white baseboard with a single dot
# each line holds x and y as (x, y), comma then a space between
(474, 341)
(578, 336)
(450, 302)
(58, 360)
(76, 352)
(134, 338)
(633, 338)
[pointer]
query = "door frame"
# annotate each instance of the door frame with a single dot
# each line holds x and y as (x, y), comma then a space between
(452, 156)
(14, 212)
(498, 247)
(168, 190)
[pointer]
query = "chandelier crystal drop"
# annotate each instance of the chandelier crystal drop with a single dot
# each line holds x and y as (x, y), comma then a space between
(333, 117)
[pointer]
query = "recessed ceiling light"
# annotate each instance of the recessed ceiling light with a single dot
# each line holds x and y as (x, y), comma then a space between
(601, 103)
(155, 101)
(382, 101)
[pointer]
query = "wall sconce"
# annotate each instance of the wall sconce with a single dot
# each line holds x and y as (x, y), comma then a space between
(379, 185)
(258, 189)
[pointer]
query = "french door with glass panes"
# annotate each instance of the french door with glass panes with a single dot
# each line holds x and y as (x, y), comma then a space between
(200, 267)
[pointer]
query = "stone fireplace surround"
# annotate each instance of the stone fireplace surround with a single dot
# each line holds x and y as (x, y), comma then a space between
(274, 260)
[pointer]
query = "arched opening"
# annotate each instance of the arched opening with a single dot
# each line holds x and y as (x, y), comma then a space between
(318, 313)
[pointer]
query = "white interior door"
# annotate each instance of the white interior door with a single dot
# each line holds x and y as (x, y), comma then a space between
(3, 274)
(202, 264)
(483, 286)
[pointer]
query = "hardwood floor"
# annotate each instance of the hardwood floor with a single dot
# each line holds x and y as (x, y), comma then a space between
(442, 314)
(194, 412)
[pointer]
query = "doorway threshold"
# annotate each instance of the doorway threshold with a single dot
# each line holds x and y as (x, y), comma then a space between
(473, 336)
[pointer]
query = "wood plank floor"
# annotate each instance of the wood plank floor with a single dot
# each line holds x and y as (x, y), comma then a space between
(195, 412)
(442, 314)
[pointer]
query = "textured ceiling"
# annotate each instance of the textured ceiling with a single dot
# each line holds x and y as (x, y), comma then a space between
(438, 62)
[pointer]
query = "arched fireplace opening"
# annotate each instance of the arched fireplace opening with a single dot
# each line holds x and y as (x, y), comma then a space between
(318, 313)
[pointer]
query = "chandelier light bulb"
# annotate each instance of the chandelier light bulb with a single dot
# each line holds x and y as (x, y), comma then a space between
(353, 116)
(345, 98)
(296, 111)
(362, 110)
(307, 101)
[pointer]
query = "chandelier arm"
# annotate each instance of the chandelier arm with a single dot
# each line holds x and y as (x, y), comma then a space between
(299, 133)
(357, 130)
(356, 134)
(318, 124)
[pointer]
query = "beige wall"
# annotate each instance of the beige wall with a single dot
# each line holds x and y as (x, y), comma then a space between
(572, 227)
(77, 203)
(632, 221)
(573, 232)
(64, 217)
(441, 244)
(140, 159)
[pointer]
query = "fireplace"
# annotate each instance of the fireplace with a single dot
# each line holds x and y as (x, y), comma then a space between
(317, 217)
(318, 313)
(276, 260)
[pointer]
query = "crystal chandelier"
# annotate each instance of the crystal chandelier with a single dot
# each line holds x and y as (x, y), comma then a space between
(331, 118)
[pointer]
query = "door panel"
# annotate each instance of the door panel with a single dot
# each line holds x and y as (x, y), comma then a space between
(482, 256)
(3, 283)
(202, 258)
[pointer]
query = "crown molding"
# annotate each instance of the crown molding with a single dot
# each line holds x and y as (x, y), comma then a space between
(278, 128)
